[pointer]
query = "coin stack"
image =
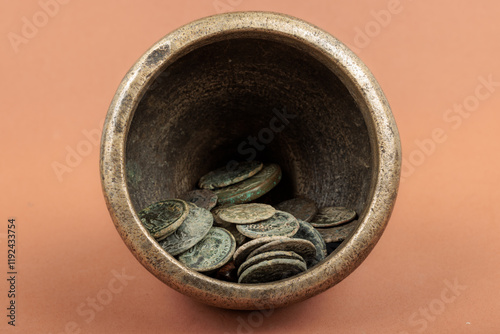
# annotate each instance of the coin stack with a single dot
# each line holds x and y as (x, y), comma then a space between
(216, 231)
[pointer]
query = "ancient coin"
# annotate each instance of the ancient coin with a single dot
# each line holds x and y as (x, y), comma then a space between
(192, 230)
(301, 208)
(252, 188)
(338, 233)
(266, 257)
(240, 255)
(272, 270)
(333, 216)
(302, 247)
(281, 224)
(162, 218)
(227, 273)
(230, 174)
(246, 213)
(203, 198)
(308, 232)
(212, 252)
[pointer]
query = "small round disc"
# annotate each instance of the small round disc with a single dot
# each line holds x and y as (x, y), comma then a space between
(246, 213)
(202, 198)
(240, 255)
(272, 270)
(192, 230)
(282, 224)
(301, 208)
(333, 216)
(162, 218)
(302, 247)
(212, 252)
(227, 175)
(266, 257)
(308, 232)
(252, 188)
(337, 233)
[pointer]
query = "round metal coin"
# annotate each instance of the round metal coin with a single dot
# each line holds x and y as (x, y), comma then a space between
(333, 216)
(252, 188)
(301, 208)
(302, 247)
(162, 218)
(281, 224)
(338, 233)
(202, 198)
(240, 255)
(246, 213)
(266, 257)
(212, 252)
(228, 175)
(272, 270)
(308, 232)
(192, 230)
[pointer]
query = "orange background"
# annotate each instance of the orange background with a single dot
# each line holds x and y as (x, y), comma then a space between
(429, 57)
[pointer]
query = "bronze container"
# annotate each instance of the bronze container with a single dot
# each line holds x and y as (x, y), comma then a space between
(189, 105)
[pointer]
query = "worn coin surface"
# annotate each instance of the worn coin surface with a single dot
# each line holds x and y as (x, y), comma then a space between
(228, 175)
(272, 270)
(302, 247)
(192, 230)
(301, 208)
(212, 252)
(240, 255)
(268, 256)
(202, 198)
(246, 213)
(162, 218)
(333, 216)
(281, 224)
(338, 233)
(308, 232)
(252, 188)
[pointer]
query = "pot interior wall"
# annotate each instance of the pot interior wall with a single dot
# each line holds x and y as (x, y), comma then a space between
(204, 109)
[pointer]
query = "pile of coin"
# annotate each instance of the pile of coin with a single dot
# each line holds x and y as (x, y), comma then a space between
(215, 230)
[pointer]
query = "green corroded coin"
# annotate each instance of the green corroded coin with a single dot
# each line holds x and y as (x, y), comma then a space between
(308, 232)
(338, 233)
(162, 218)
(272, 270)
(333, 216)
(302, 247)
(212, 252)
(192, 230)
(301, 208)
(228, 175)
(252, 188)
(241, 254)
(202, 198)
(281, 224)
(246, 213)
(266, 257)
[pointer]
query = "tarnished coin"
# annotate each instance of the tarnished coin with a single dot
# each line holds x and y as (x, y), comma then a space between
(228, 175)
(240, 255)
(281, 224)
(212, 252)
(202, 198)
(301, 208)
(252, 188)
(227, 273)
(162, 218)
(308, 232)
(338, 233)
(302, 247)
(333, 216)
(246, 213)
(272, 270)
(192, 230)
(266, 257)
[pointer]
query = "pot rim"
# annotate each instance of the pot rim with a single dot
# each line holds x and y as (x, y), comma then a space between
(384, 141)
